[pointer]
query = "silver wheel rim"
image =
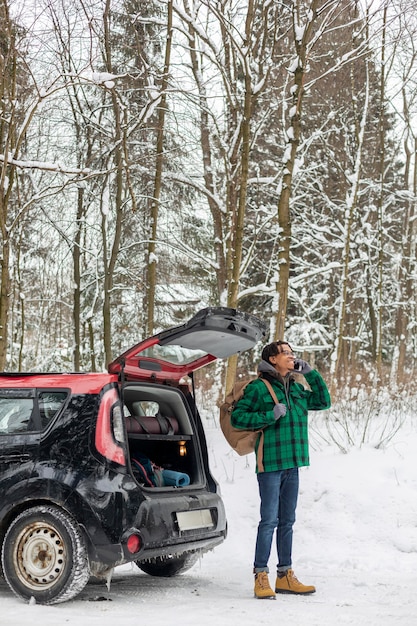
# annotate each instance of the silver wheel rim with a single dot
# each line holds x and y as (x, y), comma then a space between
(39, 556)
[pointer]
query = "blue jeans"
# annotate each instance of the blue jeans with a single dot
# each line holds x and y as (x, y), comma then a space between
(279, 493)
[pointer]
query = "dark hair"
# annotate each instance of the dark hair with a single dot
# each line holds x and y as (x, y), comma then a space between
(271, 349)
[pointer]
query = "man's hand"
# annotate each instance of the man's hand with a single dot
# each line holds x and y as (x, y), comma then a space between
(279, 411)
(302, 366)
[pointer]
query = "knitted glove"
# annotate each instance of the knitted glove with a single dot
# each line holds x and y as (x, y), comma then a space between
(302, 366)
(279, 411)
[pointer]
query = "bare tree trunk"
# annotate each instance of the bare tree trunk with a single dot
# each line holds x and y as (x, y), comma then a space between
(235, 250)
(406, 281)
(208, 163)
(119, 153)
(238, 212)
(4, 296)
(404, 339)
(380, 285)
(151, 278)
(7, 97)
(339, 356)
(284, 217)
(229, 227)
(76, 256)
(110, 262)
(238, 191)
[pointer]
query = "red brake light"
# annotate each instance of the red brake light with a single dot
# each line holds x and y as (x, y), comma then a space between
(104, 440)
(133, 544)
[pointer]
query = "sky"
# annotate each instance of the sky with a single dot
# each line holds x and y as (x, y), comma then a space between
(355, 539)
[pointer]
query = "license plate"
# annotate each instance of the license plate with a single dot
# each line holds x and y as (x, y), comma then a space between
(190, 520)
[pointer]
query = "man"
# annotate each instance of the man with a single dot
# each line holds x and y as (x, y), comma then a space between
(285, 449)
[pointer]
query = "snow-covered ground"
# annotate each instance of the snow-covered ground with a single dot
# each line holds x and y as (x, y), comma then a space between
(355, 540)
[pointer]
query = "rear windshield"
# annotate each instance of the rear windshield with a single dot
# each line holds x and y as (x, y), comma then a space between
(173, 354)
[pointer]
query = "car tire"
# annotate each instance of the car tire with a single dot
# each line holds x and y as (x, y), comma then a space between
(44, 556)
(168, 566)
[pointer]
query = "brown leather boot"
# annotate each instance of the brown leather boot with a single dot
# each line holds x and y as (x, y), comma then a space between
(262, 586)
(288, 583)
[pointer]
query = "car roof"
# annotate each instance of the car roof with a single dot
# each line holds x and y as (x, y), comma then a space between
(77, 383)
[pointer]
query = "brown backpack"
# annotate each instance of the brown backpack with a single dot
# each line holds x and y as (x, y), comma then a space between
(242, 441)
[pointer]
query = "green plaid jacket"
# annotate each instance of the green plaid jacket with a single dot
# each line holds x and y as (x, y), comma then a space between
(285, 440)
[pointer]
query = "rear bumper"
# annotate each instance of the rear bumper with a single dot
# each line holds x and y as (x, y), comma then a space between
(202, 546)
(167, 524)
(108, 556)
(180, 517)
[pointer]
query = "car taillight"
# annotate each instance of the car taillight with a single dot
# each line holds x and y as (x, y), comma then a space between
(108, 439)
(117, 424)
(133, 544)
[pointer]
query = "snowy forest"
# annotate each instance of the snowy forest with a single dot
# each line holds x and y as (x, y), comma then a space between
(161, 156)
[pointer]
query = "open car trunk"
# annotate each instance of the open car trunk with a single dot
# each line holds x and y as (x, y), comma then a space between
(162, 429)
(162, 421)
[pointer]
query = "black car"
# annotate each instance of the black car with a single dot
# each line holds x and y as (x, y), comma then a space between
(99, 469)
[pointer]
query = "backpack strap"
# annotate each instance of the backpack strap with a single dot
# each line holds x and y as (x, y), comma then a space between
(260, 451)
(270, 389)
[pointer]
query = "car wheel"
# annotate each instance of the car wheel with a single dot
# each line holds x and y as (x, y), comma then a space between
(169, 565)
(44, 556)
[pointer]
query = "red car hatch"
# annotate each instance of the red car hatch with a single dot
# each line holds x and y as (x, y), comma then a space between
(213, 333)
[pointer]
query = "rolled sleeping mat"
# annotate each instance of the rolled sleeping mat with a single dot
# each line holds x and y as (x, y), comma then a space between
(175, 479)
(152, 425)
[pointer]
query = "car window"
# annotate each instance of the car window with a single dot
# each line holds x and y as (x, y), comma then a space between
(146, 408)
(173, 354)
(50, 403)
(19, 414)
(16, 415)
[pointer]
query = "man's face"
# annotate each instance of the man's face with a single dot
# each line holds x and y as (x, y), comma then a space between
(284, 360)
